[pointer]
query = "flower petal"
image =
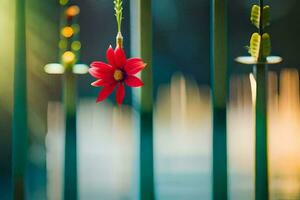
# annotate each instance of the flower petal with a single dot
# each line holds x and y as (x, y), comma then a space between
(110, 56)
(98, 83)
(105, 92)
(95, 72)
(120, 93)
(133, 81)
(106, 81)
(134, 65)
(101, 66)
(120, 57)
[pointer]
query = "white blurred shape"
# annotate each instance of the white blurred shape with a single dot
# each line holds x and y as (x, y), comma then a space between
(105, 151)
(55, 150)
(54, 68)
(182, 124)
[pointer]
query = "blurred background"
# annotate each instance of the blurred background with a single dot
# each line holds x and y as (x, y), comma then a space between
(107, 146)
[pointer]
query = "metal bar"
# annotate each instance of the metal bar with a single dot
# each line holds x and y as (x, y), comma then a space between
(219, 80)
(20, 105)
(141, 38)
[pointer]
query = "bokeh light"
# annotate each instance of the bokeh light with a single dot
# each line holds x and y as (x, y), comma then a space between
(54, 68)
(72, 11)
(80, 69)
(68, 57)
(76, 45)
(63, 44)
(63, 2)
(67, 32)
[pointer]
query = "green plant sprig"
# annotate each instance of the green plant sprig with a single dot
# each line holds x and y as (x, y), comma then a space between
(260, 43)
(119, 13)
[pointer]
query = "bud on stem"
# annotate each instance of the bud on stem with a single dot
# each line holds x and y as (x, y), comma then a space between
(119, 40)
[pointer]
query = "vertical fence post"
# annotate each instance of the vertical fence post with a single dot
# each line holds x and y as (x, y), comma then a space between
(261, 142)
(69, 103)
(219, 90)
(260, 50)
(20, 137)
(141, 39)
(69, 55)
(70, 167)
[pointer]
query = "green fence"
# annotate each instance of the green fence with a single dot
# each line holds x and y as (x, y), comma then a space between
(141, 45)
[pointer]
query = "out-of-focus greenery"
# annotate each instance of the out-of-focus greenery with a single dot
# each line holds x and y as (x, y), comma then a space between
(6, 88)
(42, 34)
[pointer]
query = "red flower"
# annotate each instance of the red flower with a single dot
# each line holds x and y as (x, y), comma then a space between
(118, 72)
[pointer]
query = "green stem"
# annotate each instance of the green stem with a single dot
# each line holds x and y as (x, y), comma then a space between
(20, 137)
(119, 13)
(219, 89)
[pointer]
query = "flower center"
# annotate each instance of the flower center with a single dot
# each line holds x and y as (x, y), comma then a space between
(118, 75)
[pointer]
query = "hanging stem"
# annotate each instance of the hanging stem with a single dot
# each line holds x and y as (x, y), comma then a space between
(119, 17)
(119, 13)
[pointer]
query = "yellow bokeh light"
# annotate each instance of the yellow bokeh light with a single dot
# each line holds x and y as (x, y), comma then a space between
(76, 45)
(67, 32)
(68, 57)
(63, 44)
(72, 11)
(63, 2)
